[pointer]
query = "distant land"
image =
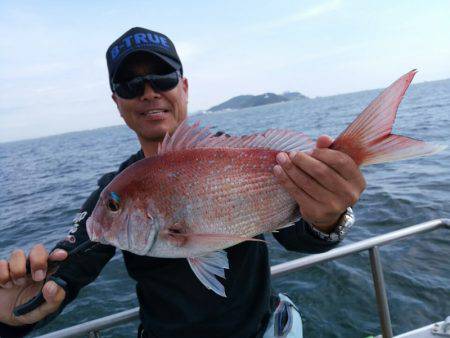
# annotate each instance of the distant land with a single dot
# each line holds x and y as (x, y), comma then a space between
(245, 101)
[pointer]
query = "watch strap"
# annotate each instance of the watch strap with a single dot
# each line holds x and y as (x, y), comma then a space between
(342, 227)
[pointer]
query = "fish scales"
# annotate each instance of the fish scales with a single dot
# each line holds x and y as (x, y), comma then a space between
(223, 193)
(231, 195)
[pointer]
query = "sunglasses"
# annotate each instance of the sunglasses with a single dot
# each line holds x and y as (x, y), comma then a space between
(136, 86)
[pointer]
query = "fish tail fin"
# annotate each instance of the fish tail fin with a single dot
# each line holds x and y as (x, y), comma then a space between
(368, 139)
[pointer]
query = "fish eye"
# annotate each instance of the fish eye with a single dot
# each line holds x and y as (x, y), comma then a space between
(113, 203)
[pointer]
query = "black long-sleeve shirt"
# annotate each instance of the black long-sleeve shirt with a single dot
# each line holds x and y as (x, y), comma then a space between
(173, 302)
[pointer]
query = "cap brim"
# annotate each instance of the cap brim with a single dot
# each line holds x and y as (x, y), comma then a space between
(172, 63)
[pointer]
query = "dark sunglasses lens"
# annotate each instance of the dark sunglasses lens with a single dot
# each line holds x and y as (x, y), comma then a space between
(130, 89)
(136, 87)
(164, 82)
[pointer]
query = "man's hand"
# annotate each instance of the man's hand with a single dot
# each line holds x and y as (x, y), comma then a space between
(16, 288)
(324, 183)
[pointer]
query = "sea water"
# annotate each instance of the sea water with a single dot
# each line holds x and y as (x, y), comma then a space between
(44, 182)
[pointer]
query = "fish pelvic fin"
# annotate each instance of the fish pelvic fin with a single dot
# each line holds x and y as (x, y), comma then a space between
(194, 137)
(207, 267)
(368, 139)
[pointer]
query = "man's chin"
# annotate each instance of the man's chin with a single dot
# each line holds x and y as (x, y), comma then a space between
(156, 134)
(156, 131)
(154, 137)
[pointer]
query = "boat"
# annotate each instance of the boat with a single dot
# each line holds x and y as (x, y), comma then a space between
(92, 329)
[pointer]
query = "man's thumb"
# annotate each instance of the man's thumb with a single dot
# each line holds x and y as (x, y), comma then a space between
(324, 141)
(53, 293)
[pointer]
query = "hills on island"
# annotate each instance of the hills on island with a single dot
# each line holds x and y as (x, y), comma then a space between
(246, 101)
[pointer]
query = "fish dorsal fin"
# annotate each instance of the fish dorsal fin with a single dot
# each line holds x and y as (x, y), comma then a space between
(193, 137)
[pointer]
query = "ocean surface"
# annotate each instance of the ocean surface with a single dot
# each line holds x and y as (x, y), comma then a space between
(44, 182)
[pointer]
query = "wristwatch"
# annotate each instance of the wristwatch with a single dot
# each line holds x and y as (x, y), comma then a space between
(343, 226)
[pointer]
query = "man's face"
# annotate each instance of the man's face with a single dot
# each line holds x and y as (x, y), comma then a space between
(155, 113)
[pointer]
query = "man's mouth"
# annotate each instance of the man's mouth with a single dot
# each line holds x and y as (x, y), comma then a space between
(155, 114)
(154, 111)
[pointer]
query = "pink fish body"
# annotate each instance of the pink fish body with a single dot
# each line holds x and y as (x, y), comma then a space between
(202, 194)
(229, 192)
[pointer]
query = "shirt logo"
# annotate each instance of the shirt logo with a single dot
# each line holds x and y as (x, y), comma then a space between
(79, 217)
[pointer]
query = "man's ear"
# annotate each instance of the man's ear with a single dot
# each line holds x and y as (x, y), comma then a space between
(114, 98)
(185, 87)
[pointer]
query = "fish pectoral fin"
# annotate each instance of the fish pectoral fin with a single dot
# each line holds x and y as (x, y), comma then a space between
(211, 237)
(284, 226)
(207, 267)
(289, 223)
(177, 235)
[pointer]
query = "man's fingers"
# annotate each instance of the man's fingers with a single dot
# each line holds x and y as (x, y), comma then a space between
(282, 170)
(341, 163)
(58, 255)
(319, 171)
(308, 184)
(53, 295)
(38, 262)
(17, 267)
(309, 208)
(5, 280)
(297, 193)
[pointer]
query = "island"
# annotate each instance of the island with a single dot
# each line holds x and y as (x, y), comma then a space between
(245, 101)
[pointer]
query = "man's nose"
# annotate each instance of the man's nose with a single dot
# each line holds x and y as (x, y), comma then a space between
(149, 93)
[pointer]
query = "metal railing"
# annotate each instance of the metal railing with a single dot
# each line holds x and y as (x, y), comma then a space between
(93, 328)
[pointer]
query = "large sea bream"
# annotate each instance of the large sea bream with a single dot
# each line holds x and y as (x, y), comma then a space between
(201, 193)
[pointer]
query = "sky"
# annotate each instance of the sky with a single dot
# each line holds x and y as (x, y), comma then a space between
(53, 75)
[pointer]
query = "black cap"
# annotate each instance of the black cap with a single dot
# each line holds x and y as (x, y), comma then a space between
(139, 39)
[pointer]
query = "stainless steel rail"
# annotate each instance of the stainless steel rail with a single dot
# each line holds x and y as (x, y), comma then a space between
(93, 328)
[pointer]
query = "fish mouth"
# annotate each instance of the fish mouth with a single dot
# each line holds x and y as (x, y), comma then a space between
(94, 231)
(90, 226)
(124, 240)
(98, 234)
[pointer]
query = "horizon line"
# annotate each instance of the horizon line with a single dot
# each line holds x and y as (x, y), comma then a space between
(205, 110)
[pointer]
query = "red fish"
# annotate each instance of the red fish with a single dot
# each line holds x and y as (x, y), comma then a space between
(201, 194)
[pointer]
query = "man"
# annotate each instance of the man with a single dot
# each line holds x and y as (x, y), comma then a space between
(150, 91)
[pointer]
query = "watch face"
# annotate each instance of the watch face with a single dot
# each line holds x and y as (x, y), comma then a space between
(346, 223)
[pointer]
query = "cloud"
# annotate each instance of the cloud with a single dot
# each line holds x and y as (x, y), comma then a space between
(187, 50)
(34, 70)
(315, 11)
(301, 15)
